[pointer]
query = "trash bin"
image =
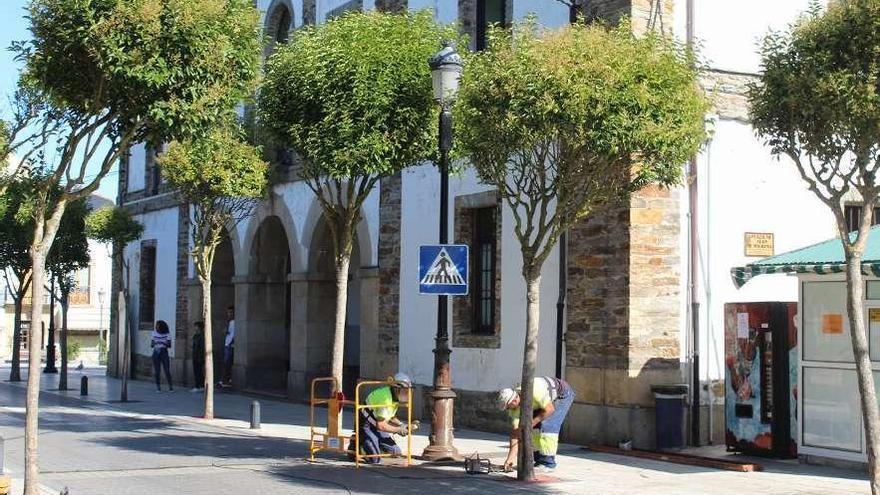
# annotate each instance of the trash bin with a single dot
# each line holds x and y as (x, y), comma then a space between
(669, 419)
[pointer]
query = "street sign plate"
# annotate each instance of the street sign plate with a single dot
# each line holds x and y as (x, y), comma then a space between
(443, 269)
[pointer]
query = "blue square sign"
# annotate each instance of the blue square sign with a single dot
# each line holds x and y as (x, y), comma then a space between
(443, 269)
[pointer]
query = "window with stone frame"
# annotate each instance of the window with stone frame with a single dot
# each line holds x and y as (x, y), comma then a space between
(147, 293)
(475, 17)
(476, 318)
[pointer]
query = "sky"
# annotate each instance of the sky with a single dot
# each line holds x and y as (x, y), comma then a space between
(14, 27)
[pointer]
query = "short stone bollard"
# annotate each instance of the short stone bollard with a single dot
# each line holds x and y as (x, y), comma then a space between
(255, 415)
(84, 386)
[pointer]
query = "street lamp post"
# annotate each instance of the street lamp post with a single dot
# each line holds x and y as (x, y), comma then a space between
(50, 346)
(446, 68)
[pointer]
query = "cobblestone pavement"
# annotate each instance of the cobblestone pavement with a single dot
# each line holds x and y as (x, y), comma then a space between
(157, 445)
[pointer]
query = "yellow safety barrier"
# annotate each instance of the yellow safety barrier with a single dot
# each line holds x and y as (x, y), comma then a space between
(330, 438)
(357, 409)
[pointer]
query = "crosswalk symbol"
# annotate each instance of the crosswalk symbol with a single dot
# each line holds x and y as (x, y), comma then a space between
(443, 269)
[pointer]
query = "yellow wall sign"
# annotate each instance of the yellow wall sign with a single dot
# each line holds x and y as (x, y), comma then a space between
(759, 244)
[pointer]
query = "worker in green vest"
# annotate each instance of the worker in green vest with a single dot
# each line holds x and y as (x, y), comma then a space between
(379, 422)
(551, 400)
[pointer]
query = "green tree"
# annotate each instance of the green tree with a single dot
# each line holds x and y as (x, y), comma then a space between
(116, 226)
(16, 234)
(221, 178)
(353, 99)
(146, 70)
(69, 253)
(817, 104)
(566, 122)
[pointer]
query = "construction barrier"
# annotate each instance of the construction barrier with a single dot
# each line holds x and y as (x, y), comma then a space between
(357, 409)
(329, 438)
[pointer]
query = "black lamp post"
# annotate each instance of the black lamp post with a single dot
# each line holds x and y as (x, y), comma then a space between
(50, 346)
(446, 68)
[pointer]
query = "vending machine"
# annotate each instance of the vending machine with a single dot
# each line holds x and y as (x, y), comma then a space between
(760, 342)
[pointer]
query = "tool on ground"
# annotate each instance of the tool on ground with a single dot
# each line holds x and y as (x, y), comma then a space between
(474, 464)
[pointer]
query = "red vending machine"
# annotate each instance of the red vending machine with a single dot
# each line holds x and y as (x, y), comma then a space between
(760, 342)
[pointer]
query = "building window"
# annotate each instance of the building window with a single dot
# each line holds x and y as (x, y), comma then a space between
(483, 276)
(476, 319)
(79, 293)
(489, 12)
(147, 307)
(852, 215)
(153, 174)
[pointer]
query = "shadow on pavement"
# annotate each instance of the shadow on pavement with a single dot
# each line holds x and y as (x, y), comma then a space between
(224, 446)
(383, 479)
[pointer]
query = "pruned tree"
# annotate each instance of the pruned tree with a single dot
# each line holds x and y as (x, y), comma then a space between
(816, 103)
(145, 71)
(69, 253)
(16, 233)
(563, 123)
(353, 98)
(221, 178)
(116, 226)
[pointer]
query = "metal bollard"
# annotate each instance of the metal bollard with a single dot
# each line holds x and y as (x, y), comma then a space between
(84, 386)
(255, 415)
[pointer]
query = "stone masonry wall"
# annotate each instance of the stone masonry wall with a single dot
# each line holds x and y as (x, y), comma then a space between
(389, 276)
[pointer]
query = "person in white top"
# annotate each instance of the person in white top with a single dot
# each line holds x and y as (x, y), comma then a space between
(160, 341)
(228, 349)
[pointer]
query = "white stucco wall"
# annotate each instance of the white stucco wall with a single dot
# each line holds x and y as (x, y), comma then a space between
(160, 226)
(472, 368)
(743, 189)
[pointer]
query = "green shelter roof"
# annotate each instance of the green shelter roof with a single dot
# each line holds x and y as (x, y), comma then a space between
(822, 258)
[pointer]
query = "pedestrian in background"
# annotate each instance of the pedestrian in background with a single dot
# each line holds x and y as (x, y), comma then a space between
(160, 342)
(198, 357)
(228, 350)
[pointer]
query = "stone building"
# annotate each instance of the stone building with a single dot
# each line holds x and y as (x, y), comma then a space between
(644, 284)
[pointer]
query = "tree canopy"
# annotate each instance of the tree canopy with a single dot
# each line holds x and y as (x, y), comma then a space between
(113, 224)
(215, 167)
(353, 96)
(817, 100)
(176, 66)
(577, 117)
(70, 251)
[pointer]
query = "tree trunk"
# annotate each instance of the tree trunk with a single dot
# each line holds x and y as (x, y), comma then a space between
(343, 260)
(65, 304)
(209, 346)
(32, 470)
(870, 411)
(525, 464)
(15, 371)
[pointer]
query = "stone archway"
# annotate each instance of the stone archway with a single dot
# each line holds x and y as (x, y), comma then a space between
(322, 266)
(265, 338)
(222, 297)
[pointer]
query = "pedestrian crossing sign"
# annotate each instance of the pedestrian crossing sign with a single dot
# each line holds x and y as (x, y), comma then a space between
(443, 269)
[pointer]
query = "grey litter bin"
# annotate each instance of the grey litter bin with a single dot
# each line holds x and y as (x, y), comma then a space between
(669, 419)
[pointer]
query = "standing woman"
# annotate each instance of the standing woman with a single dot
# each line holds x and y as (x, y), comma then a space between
(161, 342)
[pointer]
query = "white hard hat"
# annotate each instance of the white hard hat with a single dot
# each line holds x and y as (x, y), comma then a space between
(505, 396)
(403, 379)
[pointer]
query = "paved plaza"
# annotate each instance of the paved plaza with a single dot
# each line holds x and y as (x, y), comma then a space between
(157, 445)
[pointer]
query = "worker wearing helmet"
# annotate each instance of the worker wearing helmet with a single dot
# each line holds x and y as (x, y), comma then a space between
(377, 423)
(551, 399)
